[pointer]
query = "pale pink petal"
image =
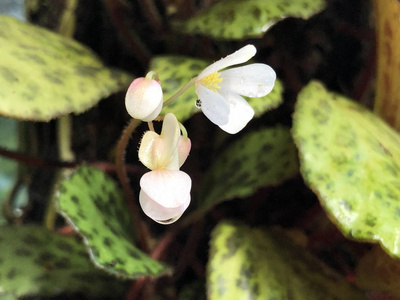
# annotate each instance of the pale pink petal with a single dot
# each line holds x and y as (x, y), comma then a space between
(184, 146)
(240, 112)
(213, 105)
(143, 99)
(160, 151)
(168, 188)
(255, 80)
(159, 213)
(240, 56)
(147, 150)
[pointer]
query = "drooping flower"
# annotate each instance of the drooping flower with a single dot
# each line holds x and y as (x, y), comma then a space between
(144, 98)
(165, 191)
(219, 91)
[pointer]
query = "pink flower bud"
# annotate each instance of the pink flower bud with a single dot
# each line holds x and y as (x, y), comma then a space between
(144, 99)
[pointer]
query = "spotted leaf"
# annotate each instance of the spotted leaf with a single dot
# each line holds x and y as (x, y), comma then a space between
(240, 19)
(176, 71)
(351, 160)
(44, 75)
(35, 261)
(250, 263)
(93, 204)
(266, 157)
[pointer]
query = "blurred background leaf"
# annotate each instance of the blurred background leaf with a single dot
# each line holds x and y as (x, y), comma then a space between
(240, 19)
(37, 262)
(44, 76)
(251, 263)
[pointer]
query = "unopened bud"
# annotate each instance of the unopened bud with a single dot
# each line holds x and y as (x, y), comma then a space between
(144, 99)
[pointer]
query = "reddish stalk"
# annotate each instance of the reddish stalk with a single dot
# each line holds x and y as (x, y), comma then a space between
(140, 226)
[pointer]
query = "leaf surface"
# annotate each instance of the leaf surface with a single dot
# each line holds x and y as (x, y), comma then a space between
(351, 160)
(241, 19)
(35, 261)
(251, 263)
(94, 205)
(263, 158)
(44, 75)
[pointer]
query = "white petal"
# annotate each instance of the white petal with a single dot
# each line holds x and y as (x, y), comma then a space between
(159, 213)
(168, 188)
(154, 114)
(240, 113)
(161, 151)
(240, 56)
(255, 80)
(213, 105)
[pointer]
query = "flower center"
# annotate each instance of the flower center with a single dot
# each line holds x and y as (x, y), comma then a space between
(211, 81)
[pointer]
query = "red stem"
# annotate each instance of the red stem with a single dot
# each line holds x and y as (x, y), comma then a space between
(140, 226)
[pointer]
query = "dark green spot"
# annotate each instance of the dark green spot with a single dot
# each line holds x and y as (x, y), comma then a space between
(22, 252)
(11, 274)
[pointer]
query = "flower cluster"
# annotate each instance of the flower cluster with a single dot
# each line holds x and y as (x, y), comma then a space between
(165, 190)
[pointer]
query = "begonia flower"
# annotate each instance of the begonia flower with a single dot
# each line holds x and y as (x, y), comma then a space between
(165, 191)
(220, 92)
(144, 99)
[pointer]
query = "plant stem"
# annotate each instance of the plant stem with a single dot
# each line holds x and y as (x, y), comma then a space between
(180, 92)
(140, 226)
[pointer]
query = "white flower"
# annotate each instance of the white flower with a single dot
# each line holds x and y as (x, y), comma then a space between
(165, 191)
(219, 91)
(144, 99)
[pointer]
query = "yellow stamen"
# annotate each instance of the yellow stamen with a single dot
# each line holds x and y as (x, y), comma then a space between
(211, 81)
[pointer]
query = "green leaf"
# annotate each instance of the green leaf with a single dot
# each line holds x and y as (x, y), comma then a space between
(351, 160)
(250, 263)
(176, 71)
(44, 75)
(35, 261)
(241, 19)
(91, 201)
(266, 157)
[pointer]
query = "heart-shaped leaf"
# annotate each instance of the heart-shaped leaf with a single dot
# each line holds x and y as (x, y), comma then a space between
(35, 261)
(240, 19)
(351, 160)
(266, 157)
(44, 75)
(176, 71)
(250, 263)
(91, 201)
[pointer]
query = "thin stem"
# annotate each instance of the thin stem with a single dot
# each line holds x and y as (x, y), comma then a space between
(183, 129)
(151, 127)
(64, 135)
(141, 229)
(180, 92)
